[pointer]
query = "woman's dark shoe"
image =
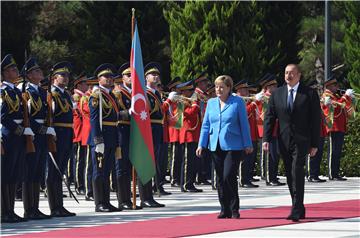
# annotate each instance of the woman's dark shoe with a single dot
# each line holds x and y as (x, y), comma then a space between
(223, 215)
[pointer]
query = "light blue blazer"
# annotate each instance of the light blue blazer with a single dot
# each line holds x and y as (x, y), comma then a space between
(229, 126)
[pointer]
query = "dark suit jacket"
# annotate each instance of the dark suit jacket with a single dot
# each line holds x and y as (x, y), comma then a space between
(302, 125)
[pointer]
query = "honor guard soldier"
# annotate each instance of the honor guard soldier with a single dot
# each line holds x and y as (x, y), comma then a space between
(204, 164)
(336, 109)
(247, 165)
(313, 163)
(174, 116)
(156, 107)
(35, 163)
(189, 136)
(123, 166)
(13, 132)
(104, 137)
(85, 134)
(80, 149)
(269, 164)
(63, 124)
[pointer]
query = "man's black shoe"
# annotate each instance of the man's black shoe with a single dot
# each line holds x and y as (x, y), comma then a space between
(255, 180)
(151, 203)
(274, 183)
(175, 185)
(162, 192)
(129, 206)
(102, 208)
(235, 215)
(66, 213)
(89, 198)
(340, 179)
(193, 190)
(316, 180)
(80, 191)
(114, 209)
(39, 215)
(249, 185)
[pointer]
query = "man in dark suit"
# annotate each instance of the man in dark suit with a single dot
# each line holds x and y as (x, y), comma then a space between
(297, 107)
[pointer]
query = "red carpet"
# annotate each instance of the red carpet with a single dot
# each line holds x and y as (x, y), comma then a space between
(206, 224)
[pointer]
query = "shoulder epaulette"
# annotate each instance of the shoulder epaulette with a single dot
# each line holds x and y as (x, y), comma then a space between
(117, 93)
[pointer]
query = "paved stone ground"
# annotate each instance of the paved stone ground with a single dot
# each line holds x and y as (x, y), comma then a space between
(179, 204)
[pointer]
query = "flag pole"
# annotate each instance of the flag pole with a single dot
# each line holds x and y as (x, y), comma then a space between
(133, 168)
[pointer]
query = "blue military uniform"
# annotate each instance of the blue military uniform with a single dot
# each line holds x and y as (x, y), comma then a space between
(123, 166)
(12, 137)
(103, 120)
(34, 168)
(63, 123)
(156, 117)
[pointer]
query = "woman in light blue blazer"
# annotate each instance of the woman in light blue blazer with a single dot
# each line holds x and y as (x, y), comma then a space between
(225, 131)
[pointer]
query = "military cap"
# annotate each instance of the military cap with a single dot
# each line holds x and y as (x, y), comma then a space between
(92, 80)
(105, 69)
(241, 84)
(173, 83)
(201, 78)
(189, 85)
(117, 78)
(63, 67)
(152, 67)
(80, 78)
(30, 64)
(330, 80)
(124, 69)
(253, 88)
(7, 62)
(270, 79)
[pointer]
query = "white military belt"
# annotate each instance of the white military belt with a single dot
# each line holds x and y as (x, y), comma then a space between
(18, 121)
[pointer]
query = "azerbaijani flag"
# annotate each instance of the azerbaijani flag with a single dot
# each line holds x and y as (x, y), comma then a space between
(141, 143)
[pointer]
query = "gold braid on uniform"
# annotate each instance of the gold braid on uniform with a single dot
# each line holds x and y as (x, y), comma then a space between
(106, 106)
(36, 105)
(119, 99)
(156, 106)
(14, 105)
(63, 108)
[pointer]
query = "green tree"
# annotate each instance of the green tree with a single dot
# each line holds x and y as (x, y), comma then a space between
(17, 22)
(312, 37)
(220, 37)
(352, 43)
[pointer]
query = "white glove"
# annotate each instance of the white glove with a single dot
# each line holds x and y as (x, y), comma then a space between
(50, 131)
(327, 101)
(349, 92)
(259, 96)
(100, 148)
(74, 105)
(28, 132)
(172, 96)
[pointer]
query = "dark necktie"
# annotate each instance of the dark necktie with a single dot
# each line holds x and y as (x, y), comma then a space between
(290, 103)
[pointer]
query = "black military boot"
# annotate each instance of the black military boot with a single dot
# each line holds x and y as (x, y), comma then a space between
(63, 211)
(107, 198)
(98, 190)
(28, 200)
(53, 201)
(36, 195)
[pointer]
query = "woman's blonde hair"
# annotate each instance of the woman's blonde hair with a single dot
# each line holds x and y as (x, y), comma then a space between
(226, 79)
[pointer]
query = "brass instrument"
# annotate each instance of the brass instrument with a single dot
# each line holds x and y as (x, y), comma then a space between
(184, 99)
(357, 95)
(249, 98)
(334, 103)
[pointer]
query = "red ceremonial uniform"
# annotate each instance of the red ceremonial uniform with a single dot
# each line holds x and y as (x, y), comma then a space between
(341, 107)
(260, 114)
(85, 111)
(251, 111)
(190, 131)
(77, 117)
(173, 132)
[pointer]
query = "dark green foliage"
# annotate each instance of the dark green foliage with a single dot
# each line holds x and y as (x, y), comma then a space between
(352, 43)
